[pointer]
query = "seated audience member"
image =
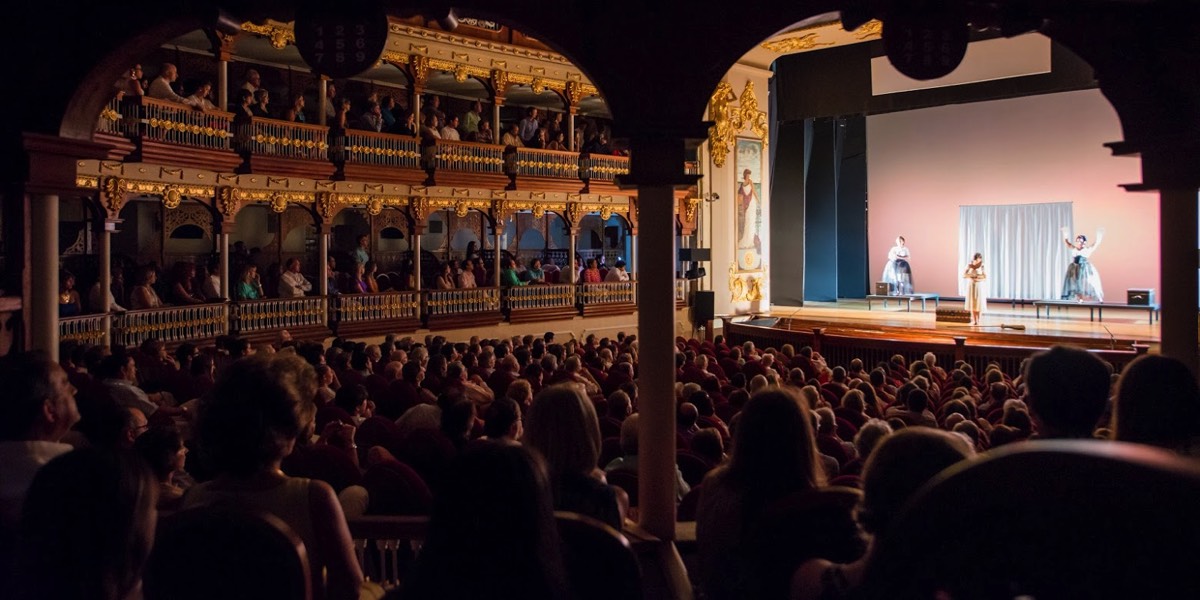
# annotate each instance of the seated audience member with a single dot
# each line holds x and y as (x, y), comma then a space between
(199, 97)
(535, 274)
(295, 112)
(163, 450)
(1067, 391)
(262, 101)
(372, 119)
(466, 277)
(292, 283)
(901, 465)
(69, 304)
(628, 461)
(707, 444)
(160, 88)
(591, 273)
(118, 374)
(508, 274)
(1158, 403)
(869, 436)
(685, 423)
(708, 418)
(457, 420)
(492, 532)
(521, 392)
(774, 455)
(915, 411)
(246, 426)
(502, 421)
(130, 83)
(95, 297)
(143, 295)
(86, 529)
(617, 273)
(445, 277)
(562, 426)
(37, 411)
(249, 285)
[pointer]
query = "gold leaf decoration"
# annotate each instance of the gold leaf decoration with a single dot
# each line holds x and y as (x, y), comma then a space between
(280, 34)
(171, 197)
(278, 202)
(729, 121)
(798, 43)
(870, 29)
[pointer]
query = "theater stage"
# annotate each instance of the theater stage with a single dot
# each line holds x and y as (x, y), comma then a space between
(1119, 330)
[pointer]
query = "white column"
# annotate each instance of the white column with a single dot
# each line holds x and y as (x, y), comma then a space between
(223, 249)
(496, 131)
(322, 101)
(496, 259)
(633, 256)
(571, 253)
(104, 243)
(323, 246)
(571, 131)
(416, 238)
(43, 260)
(1178, 274)
(416, 108)
(656, 334)
(222, 85)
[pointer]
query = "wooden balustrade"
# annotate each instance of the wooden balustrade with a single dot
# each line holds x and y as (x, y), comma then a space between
(381, 149)
(279, 313)
(603, 167)
(469, 300)
(681, 291)
(469, 157)
(619, 292)
(535, 162)
(285, 139)
(177, 124)
(171, 324)
(85, 329)
(384, 545)
(539, 297)
(353, 308)
(110, 120)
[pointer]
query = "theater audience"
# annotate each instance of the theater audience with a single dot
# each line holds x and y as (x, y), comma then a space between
(1158, 404)
(1067, 391)
(628, 461)
(164, 452)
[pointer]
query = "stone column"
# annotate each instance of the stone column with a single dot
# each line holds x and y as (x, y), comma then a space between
(223, 84)
(416, 108)
(633, 254)
(571, 130)
(223, 250)
(416, 240)
(496, 233)
(1178, 274)
(322, 101)
(572, 234)
(104, 245)
(323, 234)
(43, 261)
(496, 104)
(657, 169)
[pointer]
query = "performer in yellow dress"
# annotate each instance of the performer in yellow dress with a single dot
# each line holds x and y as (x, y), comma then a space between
(976, 300)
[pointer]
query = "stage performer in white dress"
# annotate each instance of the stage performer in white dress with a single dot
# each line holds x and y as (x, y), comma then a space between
(897, 271)
(1082, 280)
(976, 300)
(749, 204)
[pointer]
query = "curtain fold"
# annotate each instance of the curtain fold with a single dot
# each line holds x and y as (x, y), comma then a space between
(1023, 251)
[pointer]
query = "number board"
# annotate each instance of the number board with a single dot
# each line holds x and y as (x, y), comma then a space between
(342, 39)
(925, 45)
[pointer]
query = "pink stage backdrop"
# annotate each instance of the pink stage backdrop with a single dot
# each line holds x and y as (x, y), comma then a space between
(923, 164)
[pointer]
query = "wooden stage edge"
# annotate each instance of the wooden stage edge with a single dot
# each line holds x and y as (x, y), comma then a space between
(851, 317)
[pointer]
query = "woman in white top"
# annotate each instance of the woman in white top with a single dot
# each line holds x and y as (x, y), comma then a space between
(1082, 279)
(976, 300)
(143, 294)
(897, 271)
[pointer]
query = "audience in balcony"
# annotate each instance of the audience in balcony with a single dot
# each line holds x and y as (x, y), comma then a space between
(292, 283)
(295, 112)
(540, 139)
(253, 81)
(249, 285)
(432, 108)
(485, 135)
(508, 274)
(466, 277)
(450, 130)
(371, 119)
(445, 277)
(260, 108)
(211, 285)
(143, 295)
(529, 125)
(200, 96)
(69, 304)
(471, 120)
(591, 273)
(512, 137)
(333, 276)
(387, 110)
(184, 289)
(356, 282)
(370, 270)
(96, 301)
(557, 141)
(406, 125)
(617, 273)
(160, 88)
(130, 84)
(362, 246)
(535, 274)
(245, 428)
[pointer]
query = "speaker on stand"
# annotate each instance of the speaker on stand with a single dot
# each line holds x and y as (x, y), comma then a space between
(703, 308)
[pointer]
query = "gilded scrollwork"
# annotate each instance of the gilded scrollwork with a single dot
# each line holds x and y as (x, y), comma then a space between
(574, 92)
(797, 43)
(171, 197)
(729, 121)
(278, 202)
(113, 196)
(227, 202)
(279, 34)
(374, 205)
(326, 208)
(745, 288)
(418, 67)
(189, 214)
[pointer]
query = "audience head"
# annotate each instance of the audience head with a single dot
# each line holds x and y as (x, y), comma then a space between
(87, 527)
(869, 435)
(1157, 403)
(900, 465)
(250, 419)
(562, 426)
(774, 448)
(1067, 391)
(629, 436)
(502, 419)
(39, 400)
(163, 450)
(707, 444)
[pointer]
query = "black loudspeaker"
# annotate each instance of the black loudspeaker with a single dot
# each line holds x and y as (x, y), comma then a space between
(1140, 297)
(703, 303)
(695, 254)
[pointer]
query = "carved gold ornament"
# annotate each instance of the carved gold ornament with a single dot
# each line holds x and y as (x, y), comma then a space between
(499, 81)
(574, 93)
(280, 34)
(171, 197)
(870, 29)
(374, 206)
(114, 195)
(278, 202)
(729, 121)
(460, 209)
(744, 288)
(538, 211)
(418, 65)
(605, 213)
(325, 206)
(689, 213)
(798, 43)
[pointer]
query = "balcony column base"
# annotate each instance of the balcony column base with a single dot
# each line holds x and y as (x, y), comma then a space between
(323, 256)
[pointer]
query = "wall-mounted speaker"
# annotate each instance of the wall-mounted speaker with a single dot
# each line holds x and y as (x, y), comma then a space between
(703, 303)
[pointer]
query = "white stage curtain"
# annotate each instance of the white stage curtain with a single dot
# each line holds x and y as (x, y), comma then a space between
(1023, 251)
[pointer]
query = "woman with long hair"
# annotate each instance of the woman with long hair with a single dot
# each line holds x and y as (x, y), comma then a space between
(143, 295)
(976, 300)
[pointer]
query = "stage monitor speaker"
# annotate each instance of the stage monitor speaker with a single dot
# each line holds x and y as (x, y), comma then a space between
(1140, 297)
(883, 288)
(695, 254)
(703, 305)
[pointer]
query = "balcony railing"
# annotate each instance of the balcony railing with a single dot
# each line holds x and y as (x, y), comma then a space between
(271, 137)
(620, 292)
(603, 167)
(681, 290)
(469, 157)
(87, 329)
(539, 296)
(171, 324)
(279, 313)
(382, 149)
(470, 300)
(110, 118)
(177, 124)
(358, 308)
(534, 162)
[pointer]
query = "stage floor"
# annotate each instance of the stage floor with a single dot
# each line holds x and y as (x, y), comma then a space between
(1072, 322)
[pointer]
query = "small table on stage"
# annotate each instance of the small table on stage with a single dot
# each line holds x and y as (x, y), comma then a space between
(907, 298)
(1095, 309)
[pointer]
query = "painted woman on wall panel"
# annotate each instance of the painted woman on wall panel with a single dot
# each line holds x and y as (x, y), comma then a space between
(750, 205)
